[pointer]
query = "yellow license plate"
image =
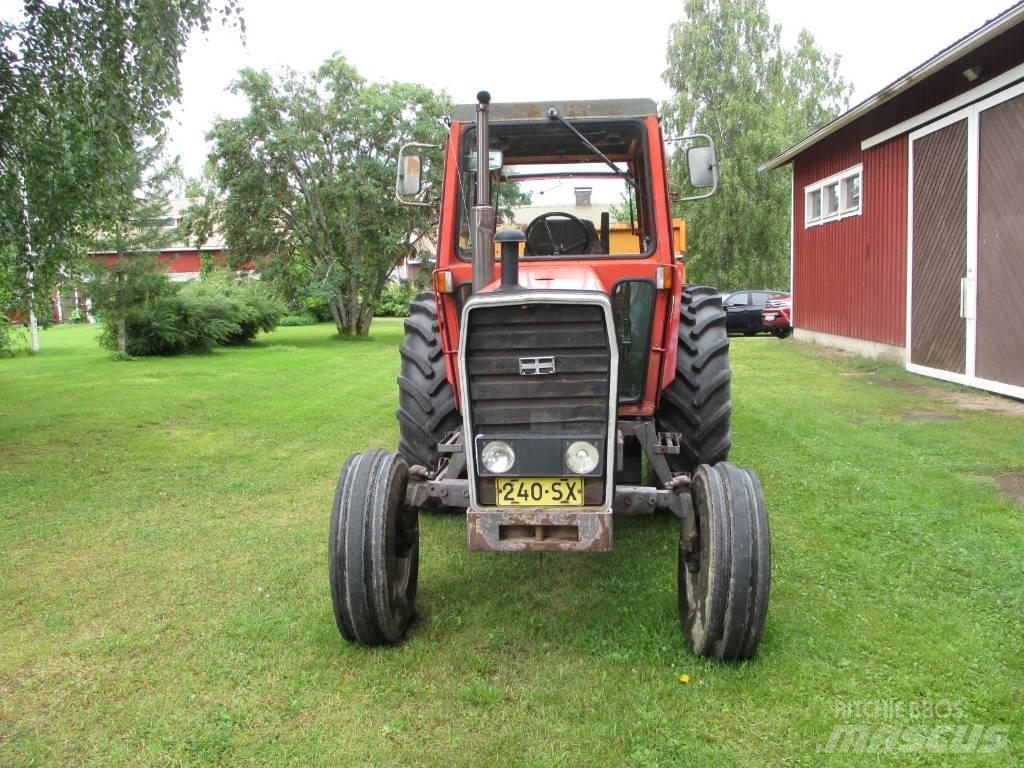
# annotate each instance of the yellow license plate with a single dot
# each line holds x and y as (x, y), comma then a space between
(539, 491)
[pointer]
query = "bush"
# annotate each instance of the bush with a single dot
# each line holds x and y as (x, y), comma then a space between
(247, 305)
(394, 300)
(11, 336)
(297, 320)
(317, 305)
(215, 311)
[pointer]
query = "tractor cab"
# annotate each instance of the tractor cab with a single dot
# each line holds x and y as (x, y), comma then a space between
(560, 372)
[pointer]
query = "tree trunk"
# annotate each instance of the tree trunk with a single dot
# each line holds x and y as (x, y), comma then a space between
(353, 306)
(30, 260)
(336, 313)
(122, 335)
(33, 329)
(365, 318)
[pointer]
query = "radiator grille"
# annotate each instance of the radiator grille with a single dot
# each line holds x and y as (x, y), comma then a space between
(572, 400)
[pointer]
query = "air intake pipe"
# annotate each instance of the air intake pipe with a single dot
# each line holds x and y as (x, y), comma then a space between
(510, 240)
(484, 215)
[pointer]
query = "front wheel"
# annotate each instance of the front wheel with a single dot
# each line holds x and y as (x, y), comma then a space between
(373, 549)
(724, 575)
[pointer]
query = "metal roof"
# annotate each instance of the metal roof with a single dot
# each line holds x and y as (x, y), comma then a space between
(969, 42)
(538, 110)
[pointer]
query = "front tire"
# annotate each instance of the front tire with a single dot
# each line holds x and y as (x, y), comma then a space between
(724, 576)
(698, 402)
(426, 402)
(373, 549)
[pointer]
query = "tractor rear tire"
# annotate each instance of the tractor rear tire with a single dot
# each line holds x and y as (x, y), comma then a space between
(724, 579)
(426, 402)
(698, 403)
(373, 549)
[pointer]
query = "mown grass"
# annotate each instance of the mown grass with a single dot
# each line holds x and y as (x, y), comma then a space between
(164, 601)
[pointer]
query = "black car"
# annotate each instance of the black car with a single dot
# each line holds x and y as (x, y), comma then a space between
(743, 310)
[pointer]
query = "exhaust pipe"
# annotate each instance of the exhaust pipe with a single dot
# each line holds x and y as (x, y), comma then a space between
(509, 240)
(484, 217)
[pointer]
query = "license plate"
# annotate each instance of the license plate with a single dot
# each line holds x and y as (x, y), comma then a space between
(769, 315)
(539, 491)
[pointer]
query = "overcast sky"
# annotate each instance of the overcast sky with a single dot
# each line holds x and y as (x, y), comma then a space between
(532, 49)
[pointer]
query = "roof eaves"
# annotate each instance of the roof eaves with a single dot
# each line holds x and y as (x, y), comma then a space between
(1005, 20)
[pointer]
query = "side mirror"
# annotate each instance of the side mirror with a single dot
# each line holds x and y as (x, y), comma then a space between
(703, 166)
(409, 187)
(409, 181)
(701, 163)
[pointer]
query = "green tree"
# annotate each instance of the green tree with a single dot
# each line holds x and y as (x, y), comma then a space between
(134, 228)
(733, 79)
(307, 178)
(79, 83)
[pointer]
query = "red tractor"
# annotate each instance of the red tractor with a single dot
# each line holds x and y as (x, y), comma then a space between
(581, 380)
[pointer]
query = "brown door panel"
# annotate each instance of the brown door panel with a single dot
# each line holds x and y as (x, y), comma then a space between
(1000, 318)
(937, 331)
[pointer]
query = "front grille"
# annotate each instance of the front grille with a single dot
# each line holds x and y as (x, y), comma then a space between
(504, 341)
(571, 401)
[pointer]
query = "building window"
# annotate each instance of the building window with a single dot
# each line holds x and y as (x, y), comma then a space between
(833, 198)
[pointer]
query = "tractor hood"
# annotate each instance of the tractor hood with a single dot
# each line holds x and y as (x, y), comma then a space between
(562, 277)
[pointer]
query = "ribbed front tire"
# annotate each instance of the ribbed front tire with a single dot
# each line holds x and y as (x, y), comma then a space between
(724, 580)
(426, 402)
(698, 402)
(373, 549)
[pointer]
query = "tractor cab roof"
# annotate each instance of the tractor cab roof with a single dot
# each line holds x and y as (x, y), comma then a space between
(538, 110)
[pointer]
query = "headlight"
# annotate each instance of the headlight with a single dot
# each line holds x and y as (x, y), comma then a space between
(497, 457)
(582, 457)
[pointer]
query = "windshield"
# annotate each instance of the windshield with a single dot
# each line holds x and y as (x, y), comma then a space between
(564, 196)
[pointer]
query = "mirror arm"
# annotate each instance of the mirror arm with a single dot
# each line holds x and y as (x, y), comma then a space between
(711, 143)
(398, 174)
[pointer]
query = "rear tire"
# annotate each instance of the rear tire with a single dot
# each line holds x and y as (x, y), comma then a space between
(426, 402)
(698, 402)
(724, 584)
(781, 333)
(373, 549)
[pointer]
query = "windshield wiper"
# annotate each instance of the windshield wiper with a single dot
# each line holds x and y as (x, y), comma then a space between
(553, 114)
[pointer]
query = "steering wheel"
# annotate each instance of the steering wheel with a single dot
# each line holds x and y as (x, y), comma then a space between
(540, 241)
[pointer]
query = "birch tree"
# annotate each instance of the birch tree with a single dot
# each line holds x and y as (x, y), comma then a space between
(733, 78)
(79, 82)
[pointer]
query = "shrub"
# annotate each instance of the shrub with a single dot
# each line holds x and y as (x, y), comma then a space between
(317, 305)
(215, 311)
(297, 320)
(11, 335)
(247, 305)
(394, 300)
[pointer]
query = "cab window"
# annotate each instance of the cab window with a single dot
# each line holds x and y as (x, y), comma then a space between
(567, 199)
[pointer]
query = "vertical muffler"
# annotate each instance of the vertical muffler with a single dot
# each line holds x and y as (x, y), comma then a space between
(484, 216)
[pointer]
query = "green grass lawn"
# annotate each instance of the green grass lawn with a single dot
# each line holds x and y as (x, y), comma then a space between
(164, 596)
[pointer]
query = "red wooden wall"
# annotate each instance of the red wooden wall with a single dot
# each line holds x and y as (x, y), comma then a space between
(849, 276)
(179, 261)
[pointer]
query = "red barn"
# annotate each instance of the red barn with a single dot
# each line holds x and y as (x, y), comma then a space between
(182, 262)
(908, 217)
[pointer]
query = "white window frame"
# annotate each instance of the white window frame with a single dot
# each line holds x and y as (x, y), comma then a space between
(845, 210)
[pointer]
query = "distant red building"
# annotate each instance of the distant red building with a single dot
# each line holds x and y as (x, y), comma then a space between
(908, 217)
(181, 261)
